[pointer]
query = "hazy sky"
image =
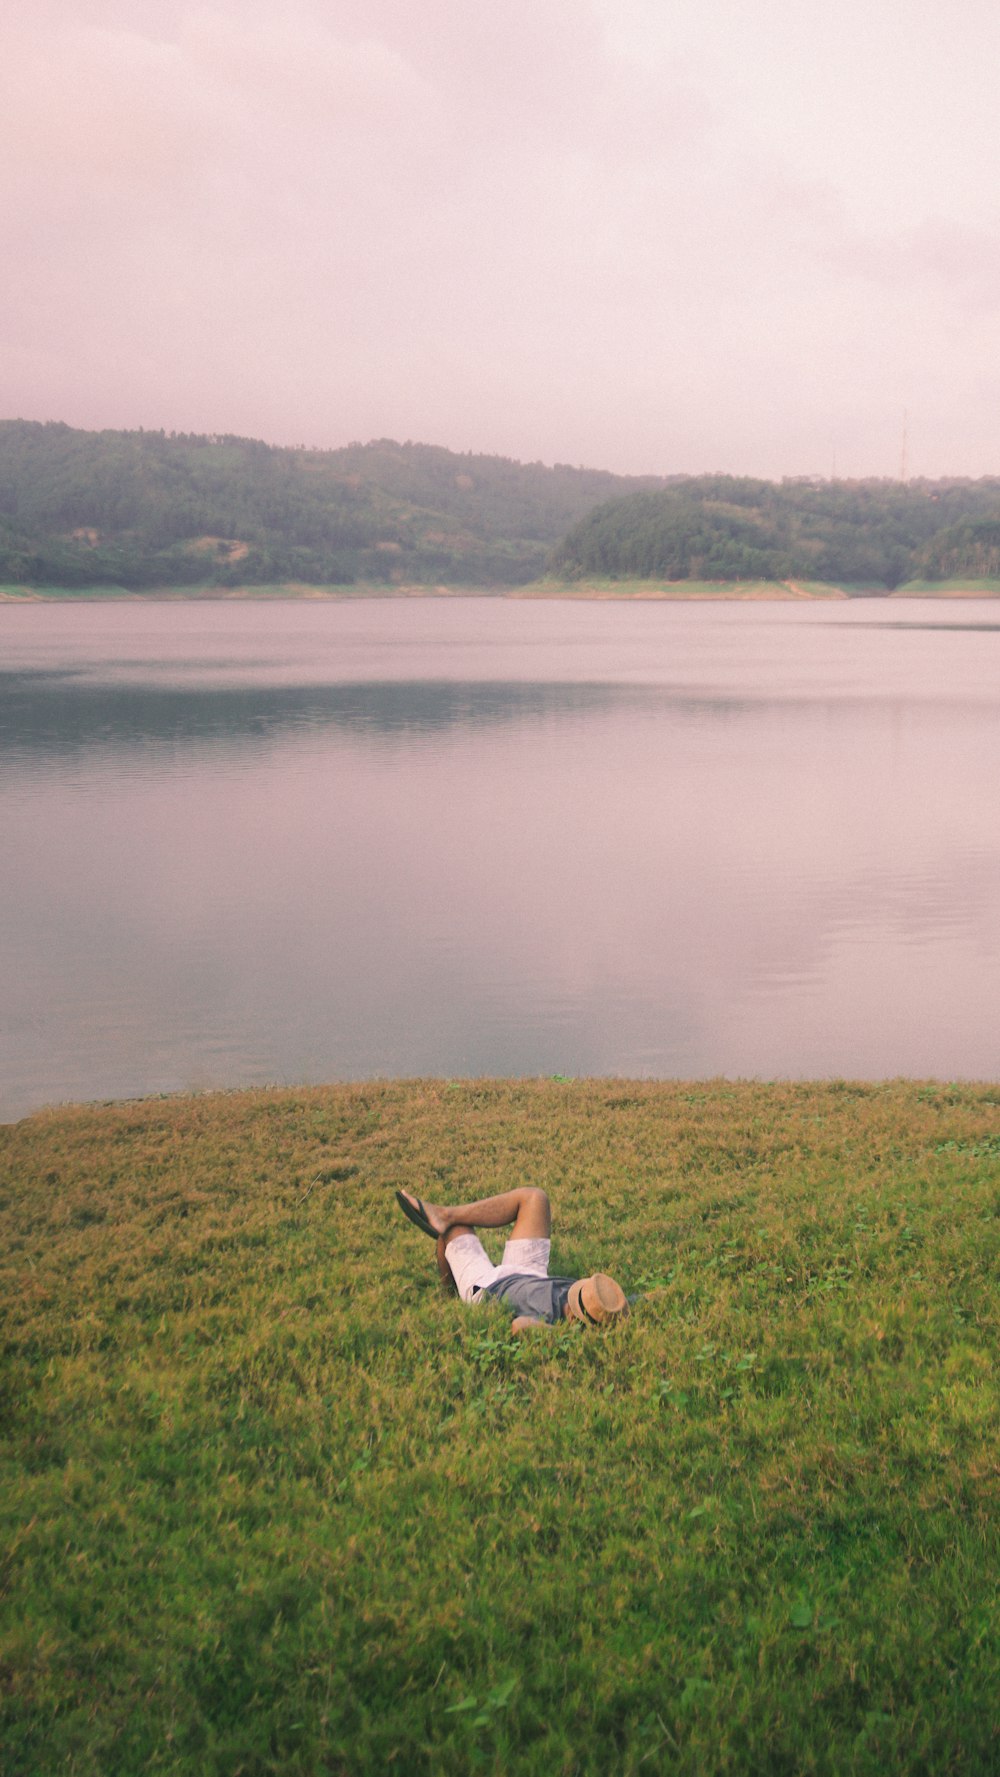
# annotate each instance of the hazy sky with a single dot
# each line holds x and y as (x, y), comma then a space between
(647, 235)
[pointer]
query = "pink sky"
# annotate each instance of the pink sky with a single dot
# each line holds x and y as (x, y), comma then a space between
(640, 235)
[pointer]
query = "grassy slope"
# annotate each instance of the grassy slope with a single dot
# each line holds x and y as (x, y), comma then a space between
(271, 1503)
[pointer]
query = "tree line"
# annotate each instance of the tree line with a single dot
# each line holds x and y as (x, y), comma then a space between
(142, 510)
(874, 535)
(148, 509)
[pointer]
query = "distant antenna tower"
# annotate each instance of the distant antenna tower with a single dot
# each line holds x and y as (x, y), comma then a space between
(903, 449)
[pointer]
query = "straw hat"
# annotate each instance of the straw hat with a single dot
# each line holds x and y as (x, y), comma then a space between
(597, 1299)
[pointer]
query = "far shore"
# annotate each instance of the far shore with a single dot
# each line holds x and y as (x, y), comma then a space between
(622, 591)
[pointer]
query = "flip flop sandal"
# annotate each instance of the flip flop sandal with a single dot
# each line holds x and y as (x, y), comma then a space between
(416, 1214)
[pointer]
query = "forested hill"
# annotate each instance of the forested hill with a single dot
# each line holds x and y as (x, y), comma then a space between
(865, 534)
(143, 510)
(148, 509)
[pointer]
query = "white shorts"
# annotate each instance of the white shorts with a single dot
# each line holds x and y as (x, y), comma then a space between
(472, 1268)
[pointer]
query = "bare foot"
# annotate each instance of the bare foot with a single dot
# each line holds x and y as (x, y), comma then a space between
(432, 1211)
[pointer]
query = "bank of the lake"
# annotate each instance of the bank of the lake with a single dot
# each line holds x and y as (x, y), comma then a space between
(586, 589)
(271, 1502)
(625, 590)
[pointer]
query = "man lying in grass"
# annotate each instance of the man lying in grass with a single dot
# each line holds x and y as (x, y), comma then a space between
(521, 1281)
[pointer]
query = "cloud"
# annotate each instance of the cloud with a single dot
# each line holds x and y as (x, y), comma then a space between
(517, 228)
(959, 262)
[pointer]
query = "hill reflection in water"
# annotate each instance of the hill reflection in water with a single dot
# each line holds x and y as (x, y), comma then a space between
(45, 713)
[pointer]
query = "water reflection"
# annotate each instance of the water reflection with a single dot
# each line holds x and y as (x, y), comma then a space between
(44, 713)
(751, 846)
(930, 626)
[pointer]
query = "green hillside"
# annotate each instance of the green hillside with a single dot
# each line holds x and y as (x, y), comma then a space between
(146, 509)
(875, 535)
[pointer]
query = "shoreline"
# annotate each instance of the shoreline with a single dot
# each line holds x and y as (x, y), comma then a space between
(563, 592)
(188, 1099)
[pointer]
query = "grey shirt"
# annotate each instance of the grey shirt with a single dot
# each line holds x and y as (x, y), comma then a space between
(539, 1298)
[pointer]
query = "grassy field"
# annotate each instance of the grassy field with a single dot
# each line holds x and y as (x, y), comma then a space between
(272, 1503)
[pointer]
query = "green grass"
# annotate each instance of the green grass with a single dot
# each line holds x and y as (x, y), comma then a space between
(968, 587)
(271, 1503)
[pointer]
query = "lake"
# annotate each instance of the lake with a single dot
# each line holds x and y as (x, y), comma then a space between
(289, 842)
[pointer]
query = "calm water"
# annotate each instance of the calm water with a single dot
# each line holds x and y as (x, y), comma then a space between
(248, 843)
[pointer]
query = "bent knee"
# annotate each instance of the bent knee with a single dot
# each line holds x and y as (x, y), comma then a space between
(534, 1218)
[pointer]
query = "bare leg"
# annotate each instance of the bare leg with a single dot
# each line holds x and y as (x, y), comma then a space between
(444, 1269)
(527, 1207)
